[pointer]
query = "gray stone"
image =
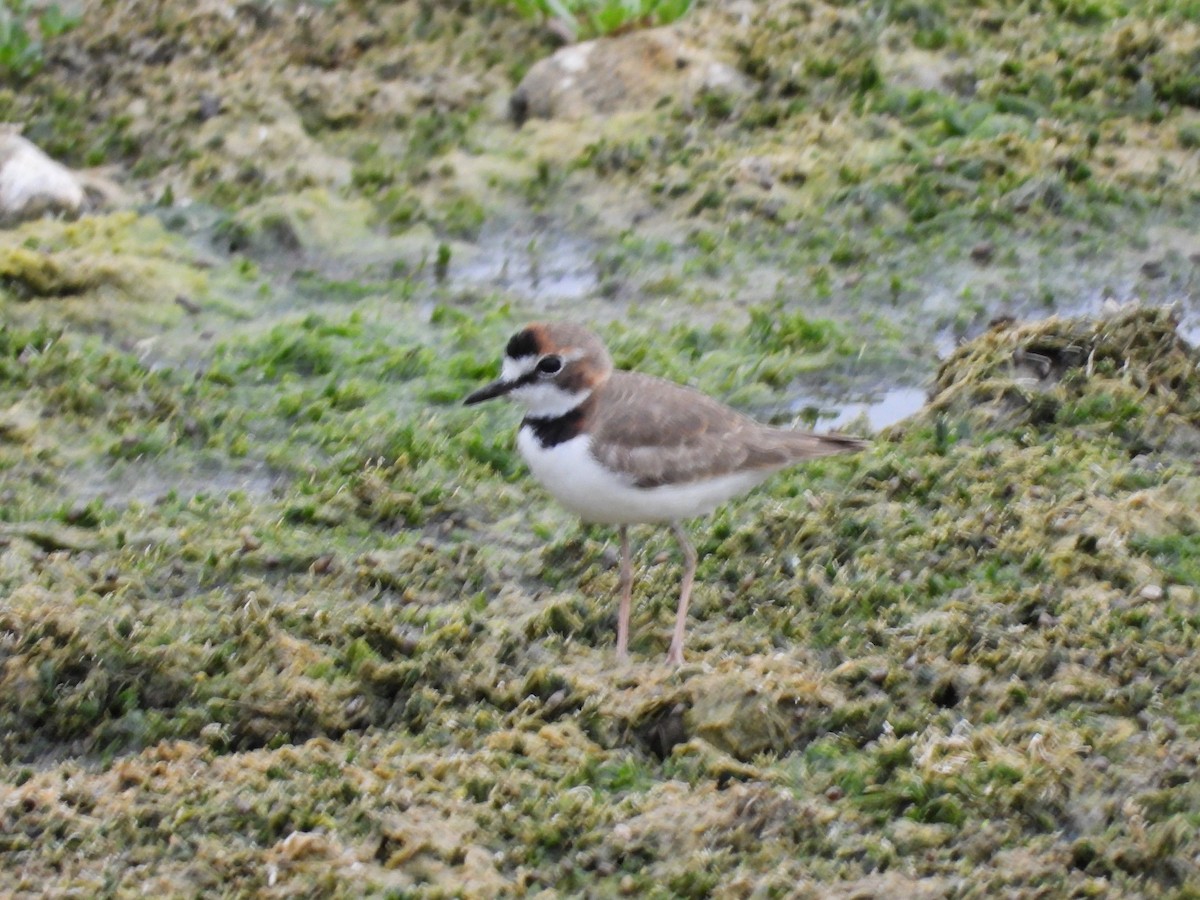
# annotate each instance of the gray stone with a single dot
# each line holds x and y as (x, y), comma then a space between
(628, 72)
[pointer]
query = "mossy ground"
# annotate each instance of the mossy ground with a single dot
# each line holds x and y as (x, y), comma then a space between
(280, 617)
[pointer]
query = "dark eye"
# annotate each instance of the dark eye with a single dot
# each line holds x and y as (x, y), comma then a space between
(548, 365)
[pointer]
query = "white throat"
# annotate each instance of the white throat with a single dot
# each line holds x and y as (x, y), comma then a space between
(548, 401)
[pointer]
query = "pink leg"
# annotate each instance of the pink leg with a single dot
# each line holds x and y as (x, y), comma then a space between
(626, 596)
(675, 654)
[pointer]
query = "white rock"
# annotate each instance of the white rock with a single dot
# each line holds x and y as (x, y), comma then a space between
(32, 184)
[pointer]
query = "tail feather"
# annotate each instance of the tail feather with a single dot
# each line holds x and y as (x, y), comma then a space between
(806, 445)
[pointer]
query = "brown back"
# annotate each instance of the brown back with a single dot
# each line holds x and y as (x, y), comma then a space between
(658, 432)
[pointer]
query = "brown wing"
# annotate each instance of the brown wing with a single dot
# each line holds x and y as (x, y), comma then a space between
(658, 432)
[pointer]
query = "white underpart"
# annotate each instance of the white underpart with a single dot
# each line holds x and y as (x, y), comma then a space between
(577, 481)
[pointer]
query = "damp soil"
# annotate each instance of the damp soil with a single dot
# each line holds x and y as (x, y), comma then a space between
(279, 617)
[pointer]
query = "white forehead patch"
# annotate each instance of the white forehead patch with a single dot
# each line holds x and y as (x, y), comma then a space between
(512, 369)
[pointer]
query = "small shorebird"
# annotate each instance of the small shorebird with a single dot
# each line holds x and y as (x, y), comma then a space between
(620, 448)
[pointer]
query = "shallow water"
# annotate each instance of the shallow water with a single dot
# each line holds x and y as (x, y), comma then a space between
(538, 266)
(153, 480)
(880, 409)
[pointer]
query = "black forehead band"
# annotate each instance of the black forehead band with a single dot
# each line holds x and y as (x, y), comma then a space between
(523, 343)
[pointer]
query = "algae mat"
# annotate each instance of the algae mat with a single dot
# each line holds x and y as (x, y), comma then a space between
(961, 663)
(278, 617)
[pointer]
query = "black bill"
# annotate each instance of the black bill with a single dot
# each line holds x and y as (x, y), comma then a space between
(497, 388)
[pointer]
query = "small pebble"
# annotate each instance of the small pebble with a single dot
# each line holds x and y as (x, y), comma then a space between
(1154, 268)
(209, 107)
(250, 542)
(1152, 592)
(983, 252)
(77, 512)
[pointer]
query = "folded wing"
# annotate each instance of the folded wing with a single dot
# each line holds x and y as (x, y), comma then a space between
(656, 433)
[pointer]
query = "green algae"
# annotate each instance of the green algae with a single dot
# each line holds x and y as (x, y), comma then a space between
(120, 255)
(279, 616)
(922, 652)
(1126, 379)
